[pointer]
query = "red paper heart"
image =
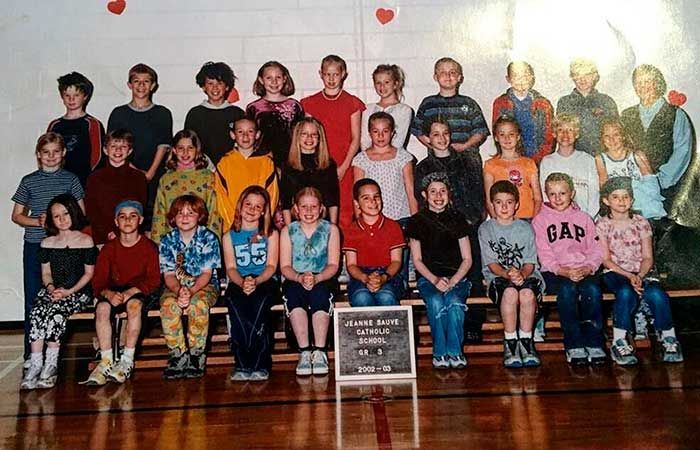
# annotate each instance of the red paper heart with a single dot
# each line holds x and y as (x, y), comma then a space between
(677, 98)
(116, 6)
(233, 96)
(384, 16)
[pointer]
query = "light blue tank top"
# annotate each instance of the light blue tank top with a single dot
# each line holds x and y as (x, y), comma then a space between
(309, 255)
(251, 251)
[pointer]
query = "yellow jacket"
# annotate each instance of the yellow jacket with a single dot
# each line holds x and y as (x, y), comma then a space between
(234, 173)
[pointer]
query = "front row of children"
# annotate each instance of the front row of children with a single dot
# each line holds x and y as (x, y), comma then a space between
(569, 246)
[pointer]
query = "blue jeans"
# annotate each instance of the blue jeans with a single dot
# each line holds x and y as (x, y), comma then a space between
(580, 309)
(627, 302)
(32, 285)
(406, 254)
(388, 295)
(250, 333)
(446, 315)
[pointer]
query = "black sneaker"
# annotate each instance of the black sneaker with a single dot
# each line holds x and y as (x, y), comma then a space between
(198, 361)
(177, 365)
(528, 354)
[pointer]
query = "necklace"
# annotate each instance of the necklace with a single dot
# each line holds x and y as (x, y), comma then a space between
(331, 98)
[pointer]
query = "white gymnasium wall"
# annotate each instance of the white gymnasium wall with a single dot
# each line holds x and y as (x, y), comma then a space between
(42, 40)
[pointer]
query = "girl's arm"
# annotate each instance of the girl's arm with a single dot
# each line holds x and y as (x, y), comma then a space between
(287, 214)
(407, 172)
(230, 261)
(420, 266)
(536, 192)
(273, 244)
(333, 214)
(331, 268)
(355, 120)
(602, 171)
(488, 182)
(643, 163)
(81, 283)
(357, 173)
(20, 217)
(47, 278)
(466, 264)
(81, 203)
(647, 256)
(286, 257)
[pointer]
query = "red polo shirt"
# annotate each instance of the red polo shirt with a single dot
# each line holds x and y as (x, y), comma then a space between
(373, 243)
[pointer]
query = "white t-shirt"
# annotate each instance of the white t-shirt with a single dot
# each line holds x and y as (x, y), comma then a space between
(402, 114)
(580, 166)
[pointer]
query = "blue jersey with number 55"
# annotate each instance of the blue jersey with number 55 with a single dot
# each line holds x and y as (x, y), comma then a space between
(250, 248)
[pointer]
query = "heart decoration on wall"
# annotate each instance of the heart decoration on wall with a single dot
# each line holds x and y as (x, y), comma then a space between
(384, 16)
(116, 6)
(677, 98)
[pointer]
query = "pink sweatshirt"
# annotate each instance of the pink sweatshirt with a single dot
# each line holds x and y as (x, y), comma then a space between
(566, 239)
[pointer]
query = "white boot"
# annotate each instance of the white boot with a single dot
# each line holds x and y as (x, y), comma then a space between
(31, 375)
(49, 373)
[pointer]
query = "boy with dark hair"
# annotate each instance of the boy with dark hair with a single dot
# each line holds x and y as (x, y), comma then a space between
(373, 250)
(214, 117)
(111, 184)
(509, 263)
(152, 128)
(82, 133)
(127, 276)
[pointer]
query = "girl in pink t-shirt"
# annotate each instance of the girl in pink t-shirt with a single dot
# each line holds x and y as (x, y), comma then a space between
(628, 258)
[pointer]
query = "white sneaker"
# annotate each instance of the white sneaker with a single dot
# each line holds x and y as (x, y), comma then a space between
(31, 376)
(304, 364)
(48, 376)
(319, 362)
(98, 376)
(121, 371)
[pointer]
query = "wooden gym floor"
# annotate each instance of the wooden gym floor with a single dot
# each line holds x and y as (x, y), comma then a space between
(653, 405)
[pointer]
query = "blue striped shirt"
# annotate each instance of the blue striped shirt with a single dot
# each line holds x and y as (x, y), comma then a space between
(462, 113)
(37, 189)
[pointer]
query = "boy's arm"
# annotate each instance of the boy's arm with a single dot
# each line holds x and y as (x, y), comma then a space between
(152, 280)
(157, 160)
(352, 267)
(488, 182)
(21, 218)
(548, 138)
(545, 252)
(602, 171)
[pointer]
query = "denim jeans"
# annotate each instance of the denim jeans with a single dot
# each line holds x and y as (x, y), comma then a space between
(580, 309)
(627, 302)
(388, 295)
(32, 285)
(250, 333)
(446, 315)
(406, 254)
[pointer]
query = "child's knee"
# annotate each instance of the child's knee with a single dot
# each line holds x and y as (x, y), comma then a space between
(134, 307)
(103, 311)
(527, 297)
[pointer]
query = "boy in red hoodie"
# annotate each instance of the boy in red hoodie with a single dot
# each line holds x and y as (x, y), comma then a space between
(570, 255)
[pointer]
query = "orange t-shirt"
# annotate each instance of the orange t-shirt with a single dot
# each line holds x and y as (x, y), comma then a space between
(518, 171)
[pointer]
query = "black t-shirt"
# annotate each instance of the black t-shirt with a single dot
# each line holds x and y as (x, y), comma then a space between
(151, 127)
(213, 126)
(439, 235)
(83, 137)
(326, 181)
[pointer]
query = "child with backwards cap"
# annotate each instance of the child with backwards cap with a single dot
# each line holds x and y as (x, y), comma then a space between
(126, 278)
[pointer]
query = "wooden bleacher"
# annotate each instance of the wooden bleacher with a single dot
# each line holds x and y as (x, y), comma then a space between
(153, 353)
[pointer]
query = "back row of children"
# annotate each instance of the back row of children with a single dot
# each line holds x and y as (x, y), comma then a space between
(462, 128)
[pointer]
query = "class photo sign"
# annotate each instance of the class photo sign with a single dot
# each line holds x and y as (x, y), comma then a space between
(374, 343)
